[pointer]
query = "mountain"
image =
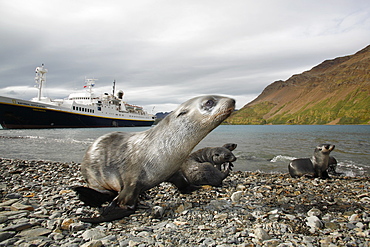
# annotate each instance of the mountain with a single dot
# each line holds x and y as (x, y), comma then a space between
(336, 91)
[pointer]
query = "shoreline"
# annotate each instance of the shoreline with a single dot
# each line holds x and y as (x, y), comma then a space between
(250, 209)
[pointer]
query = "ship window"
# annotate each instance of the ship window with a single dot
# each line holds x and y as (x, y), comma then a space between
(99, 108)
(74, 107)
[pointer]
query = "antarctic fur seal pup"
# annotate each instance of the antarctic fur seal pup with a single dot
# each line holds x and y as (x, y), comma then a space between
(203, 167)
(119, 166)
(316, 166)
(333, 166)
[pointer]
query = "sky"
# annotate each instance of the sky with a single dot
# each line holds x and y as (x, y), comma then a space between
(163, 52)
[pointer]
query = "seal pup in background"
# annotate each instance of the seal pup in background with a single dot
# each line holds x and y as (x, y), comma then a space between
(120, 166)
(203, 167)
(333, 166)
(316, 166)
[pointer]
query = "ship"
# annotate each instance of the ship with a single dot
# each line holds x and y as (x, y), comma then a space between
(78, 110)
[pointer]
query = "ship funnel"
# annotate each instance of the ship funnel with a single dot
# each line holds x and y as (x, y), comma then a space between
(120, 94)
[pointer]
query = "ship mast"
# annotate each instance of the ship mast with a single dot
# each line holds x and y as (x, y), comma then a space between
(114, 86)
(40, 79)
(89, 83)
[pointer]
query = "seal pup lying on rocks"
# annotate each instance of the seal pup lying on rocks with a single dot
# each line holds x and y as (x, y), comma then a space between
(120, 166)
(203, 167)
(316, 166)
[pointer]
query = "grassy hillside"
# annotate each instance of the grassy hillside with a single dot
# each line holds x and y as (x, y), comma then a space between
(334, 92)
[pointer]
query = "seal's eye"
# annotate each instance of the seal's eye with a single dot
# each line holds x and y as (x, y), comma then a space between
(209, 104)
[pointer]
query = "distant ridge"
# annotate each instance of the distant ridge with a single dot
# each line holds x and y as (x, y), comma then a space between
(336, 91)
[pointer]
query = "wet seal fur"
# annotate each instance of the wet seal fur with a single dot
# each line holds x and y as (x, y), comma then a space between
(204, 167)
(316, 166)
(119, 166)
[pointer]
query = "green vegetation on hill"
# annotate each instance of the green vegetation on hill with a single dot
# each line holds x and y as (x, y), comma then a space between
(354, 109)
(251, 115)
(334, 92)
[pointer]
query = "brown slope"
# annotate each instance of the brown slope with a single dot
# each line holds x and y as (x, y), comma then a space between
(335, 91)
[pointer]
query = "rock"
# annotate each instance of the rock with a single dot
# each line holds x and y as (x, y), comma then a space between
(332, 225)
(221, 216)
(354, 218)
(14, 213)
(78, 226)
(93, 243)
(93, 234)
(271, 242)
(235, 197)
(18, 206)
(261, 234)
(273, 210)
(18, 227)
(314, 222)
(34, 232)
(8, 202)
(5, 235)
(314, 212)
(66, 224)
(3, 218)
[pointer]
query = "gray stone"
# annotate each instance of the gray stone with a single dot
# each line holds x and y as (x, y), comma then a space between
(314, 222)
(314, 212)
(18, 227)
(6, 235)
(261, 234)
(93, 243)
(93, 234)
(3, 218)
(34, 232)
(235, 197)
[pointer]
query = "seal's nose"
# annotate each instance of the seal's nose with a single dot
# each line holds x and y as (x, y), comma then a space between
(327, 146)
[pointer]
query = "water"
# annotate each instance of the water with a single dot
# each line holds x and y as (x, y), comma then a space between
(267, 148)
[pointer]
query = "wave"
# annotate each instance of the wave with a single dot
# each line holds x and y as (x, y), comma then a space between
(350, 168)
(281, 158)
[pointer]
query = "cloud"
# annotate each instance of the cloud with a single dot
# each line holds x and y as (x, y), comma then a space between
(163, 52)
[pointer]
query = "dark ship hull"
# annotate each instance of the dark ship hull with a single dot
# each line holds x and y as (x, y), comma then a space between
(14, 116)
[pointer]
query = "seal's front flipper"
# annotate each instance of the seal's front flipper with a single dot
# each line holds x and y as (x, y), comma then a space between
(92, 197)
(189, 189)
(110, 213)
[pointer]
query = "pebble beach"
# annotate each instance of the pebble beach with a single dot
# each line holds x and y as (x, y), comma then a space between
(38, 208)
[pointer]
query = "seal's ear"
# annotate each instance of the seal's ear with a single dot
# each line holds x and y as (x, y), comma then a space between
(182, 113)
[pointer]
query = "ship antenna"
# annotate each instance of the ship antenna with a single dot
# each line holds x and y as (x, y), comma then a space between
(114, 86)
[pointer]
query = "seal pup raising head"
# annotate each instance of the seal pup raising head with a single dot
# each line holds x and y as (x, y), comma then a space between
(204, 167)
(119, 166)
(316, 166)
